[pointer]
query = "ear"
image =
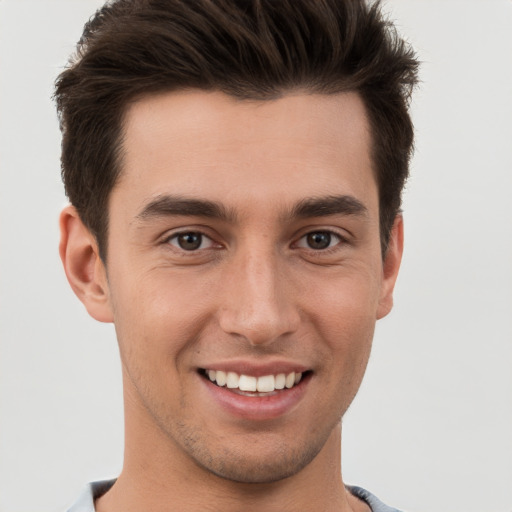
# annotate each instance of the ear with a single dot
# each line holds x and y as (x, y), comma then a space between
(84, 269)
(390, 267)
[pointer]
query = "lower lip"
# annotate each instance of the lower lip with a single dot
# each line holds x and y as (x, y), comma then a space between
(258, 408)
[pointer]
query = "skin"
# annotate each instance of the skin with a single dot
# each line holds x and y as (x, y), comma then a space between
(254, 291)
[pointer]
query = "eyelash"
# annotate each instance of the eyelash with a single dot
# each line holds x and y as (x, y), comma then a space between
(341, 240)
(175, 236)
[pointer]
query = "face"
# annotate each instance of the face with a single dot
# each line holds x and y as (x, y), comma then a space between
(244, 276)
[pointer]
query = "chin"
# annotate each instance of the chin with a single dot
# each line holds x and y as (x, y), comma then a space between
(253, 463)
(260, 471)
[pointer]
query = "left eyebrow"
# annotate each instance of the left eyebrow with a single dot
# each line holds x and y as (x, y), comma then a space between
(329, 205)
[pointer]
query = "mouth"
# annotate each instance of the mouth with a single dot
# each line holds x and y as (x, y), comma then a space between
(254, 386)
(251, 392)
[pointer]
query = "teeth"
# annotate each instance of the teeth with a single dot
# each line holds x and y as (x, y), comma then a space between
(280, 381)
(232, 379)
(264, 384)
(221, 378)
(247, 383)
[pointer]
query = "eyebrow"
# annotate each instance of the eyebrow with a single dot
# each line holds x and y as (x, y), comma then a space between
(329, 205)
(169, 205)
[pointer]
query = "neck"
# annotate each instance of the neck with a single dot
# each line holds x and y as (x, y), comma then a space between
(159, 476)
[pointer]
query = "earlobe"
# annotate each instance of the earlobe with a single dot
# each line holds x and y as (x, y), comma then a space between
(83, 266)
(390, 267)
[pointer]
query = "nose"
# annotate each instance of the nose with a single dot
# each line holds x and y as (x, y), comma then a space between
(258, 300)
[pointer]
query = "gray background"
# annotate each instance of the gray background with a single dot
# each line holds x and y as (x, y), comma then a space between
(431, 428)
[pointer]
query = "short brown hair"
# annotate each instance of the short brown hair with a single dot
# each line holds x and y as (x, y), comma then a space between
(250, 49)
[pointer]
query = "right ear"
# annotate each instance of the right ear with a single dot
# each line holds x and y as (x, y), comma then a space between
(84, 268)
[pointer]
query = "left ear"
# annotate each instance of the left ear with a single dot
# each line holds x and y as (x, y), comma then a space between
(390, 267)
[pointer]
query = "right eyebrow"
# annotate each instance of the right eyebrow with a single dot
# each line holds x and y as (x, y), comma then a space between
(169, 205)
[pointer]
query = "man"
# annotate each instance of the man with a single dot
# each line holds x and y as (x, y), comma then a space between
(235, 171)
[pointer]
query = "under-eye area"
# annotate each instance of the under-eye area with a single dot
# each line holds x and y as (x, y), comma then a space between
(255, 386)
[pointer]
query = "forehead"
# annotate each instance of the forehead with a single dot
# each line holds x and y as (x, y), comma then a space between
(208, 144)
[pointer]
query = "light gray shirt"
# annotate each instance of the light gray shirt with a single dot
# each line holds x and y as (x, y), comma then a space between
(94, 490)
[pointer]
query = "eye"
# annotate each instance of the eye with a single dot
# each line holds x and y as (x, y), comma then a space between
(319, 240)
(190, 241)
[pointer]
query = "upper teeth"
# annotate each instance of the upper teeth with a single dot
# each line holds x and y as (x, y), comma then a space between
(264, 384)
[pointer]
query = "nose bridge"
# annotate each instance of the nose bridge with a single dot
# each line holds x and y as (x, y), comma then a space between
(258, 301)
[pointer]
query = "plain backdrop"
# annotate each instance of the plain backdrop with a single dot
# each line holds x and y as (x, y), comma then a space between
(431, 428)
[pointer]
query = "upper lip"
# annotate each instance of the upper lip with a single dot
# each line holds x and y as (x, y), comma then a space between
(256, 369)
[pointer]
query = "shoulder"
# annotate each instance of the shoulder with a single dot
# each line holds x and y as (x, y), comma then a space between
(374, 503)
(85, 502)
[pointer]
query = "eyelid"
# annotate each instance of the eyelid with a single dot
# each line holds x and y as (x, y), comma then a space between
(338, 239)
(204, 238)
(166, 238)
(342, 234)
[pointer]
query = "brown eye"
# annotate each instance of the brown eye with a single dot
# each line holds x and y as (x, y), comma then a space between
(319, 240)
(190, 241)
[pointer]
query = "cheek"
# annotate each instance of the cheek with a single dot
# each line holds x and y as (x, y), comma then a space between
(348, 341)
(158, 314)
(345, 302)
(348, 334)
(344, 315)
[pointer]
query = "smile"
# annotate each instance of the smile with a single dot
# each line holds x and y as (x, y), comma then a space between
(256, 393)
(253, 386)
